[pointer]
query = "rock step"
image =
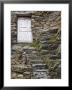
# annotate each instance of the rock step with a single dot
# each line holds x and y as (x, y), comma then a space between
(36, 61)
(21, 68)
(40, 75)
(25, 75)
(41, 70)
(29, 48)
(33, 54)
(39, 66)
(55, 56)
(33, 58)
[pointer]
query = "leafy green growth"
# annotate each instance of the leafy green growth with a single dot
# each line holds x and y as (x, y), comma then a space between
(53, 67)
(36, 44)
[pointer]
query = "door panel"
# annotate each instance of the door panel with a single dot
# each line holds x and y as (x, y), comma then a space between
(24, 30)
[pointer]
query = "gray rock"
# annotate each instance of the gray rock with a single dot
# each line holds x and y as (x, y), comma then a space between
(13, 75)
(44, 52)
(39, 66)
(40, 75)
(28, 47)
(16, 47)
(20, 76)
(20, 68)
(53, 31)
(36, 61)
(54, 57)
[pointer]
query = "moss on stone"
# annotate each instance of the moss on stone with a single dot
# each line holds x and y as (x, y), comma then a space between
(53, 67)
(36, 44)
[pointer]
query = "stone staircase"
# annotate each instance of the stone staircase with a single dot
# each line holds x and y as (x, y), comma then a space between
(39, 68)
(40, 71)
(35, 68)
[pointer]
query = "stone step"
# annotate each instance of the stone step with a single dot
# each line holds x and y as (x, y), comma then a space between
(29, 48)
(40, 75)
(45, 46)
(53, 30)
(55, 56)
(36, 61)
(44, 52)
(31, 57)
(31, 54)
(27, 75)
(30, 51)
(39, 66)
(21, 68)
(41, 70)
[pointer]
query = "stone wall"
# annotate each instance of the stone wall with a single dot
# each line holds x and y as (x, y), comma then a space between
(43, 56)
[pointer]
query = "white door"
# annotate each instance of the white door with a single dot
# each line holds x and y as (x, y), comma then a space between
(24, 30)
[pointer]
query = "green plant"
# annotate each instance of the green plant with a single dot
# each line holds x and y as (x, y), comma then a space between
(53, 67)
(36, 44)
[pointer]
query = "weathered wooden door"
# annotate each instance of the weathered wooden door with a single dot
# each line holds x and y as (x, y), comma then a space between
(24, 30)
